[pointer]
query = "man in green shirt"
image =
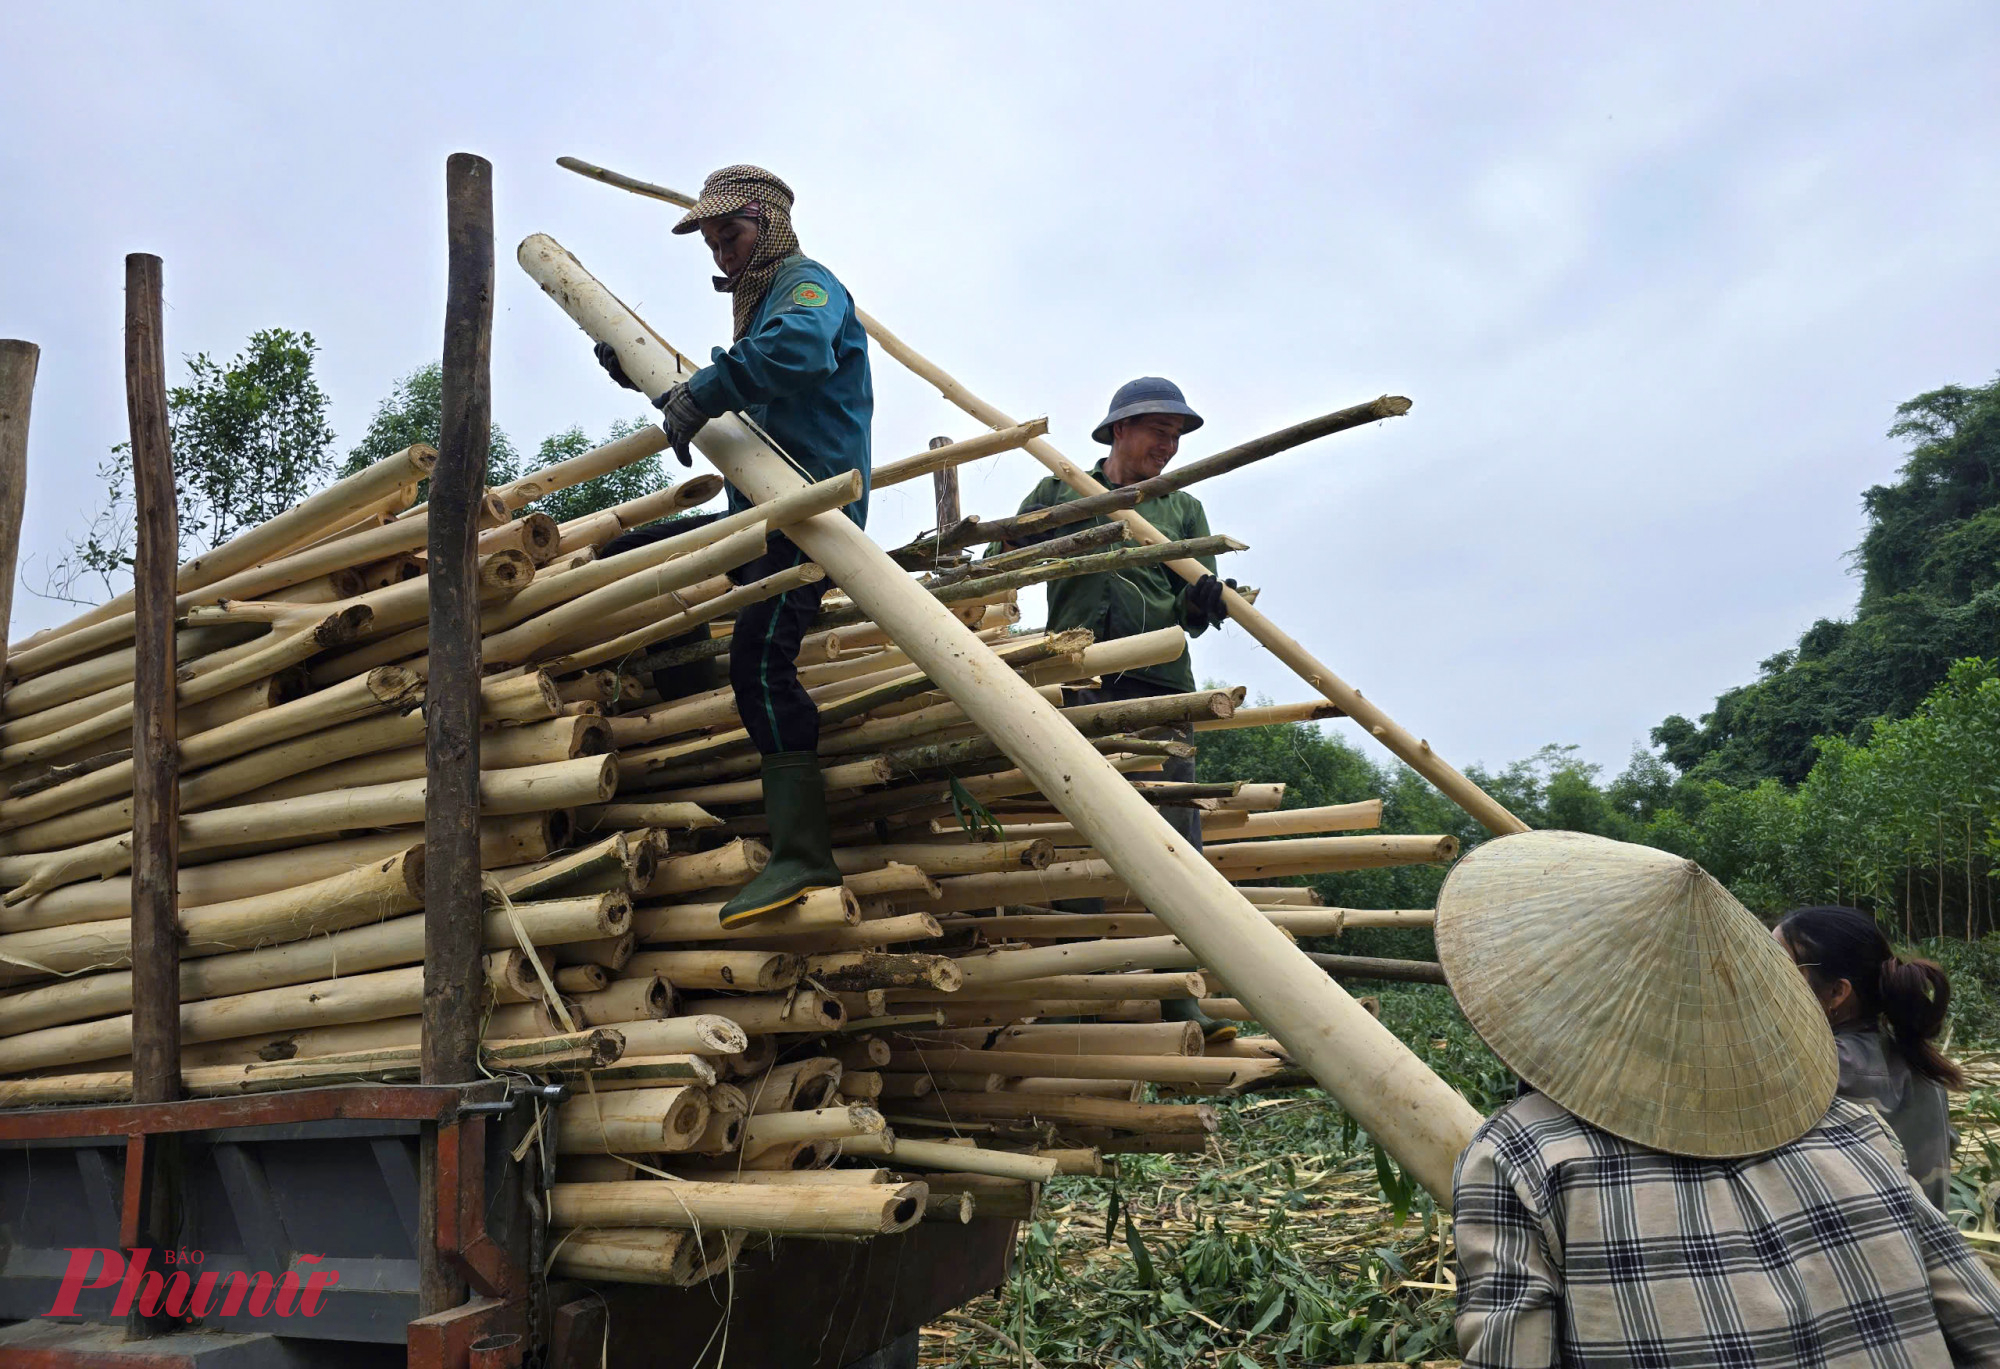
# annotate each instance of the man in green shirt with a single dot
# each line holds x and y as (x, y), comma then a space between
(1143, 429)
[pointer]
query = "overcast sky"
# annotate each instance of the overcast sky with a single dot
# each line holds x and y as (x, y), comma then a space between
(1655, 279)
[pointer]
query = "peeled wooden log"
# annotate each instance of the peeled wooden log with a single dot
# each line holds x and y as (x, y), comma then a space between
(580, 979)
(1222, 827)
(244, 777)
(1073, 1038)
(651, 621)
(693, 1033)
(1068, 926)
(859, 1052)
(755, 971)
(368, 894)
(568, 870)
(1077, 957)
(754, 1060)
(529, 788)
(552, 1055)
(595, 529)
(1151, 1118)
(798, 1086)
(823, 909)
(503, 841)
(1099, 987)
(841, 1209)
(303, 522)
(1124, 1091)
(97, 673)
(559, 739)
(670, 1259)
(614, 455)
(627, 1000)
(352, 998)
(906, 1085)
(1151, 1069)
(861, 1086)
(861, 774)
(763, 1132)
(1000, 1199)
(892, 879)
(853, 971)
(521, 643)
(736, 862)
(957, 453)
(971, 858)
(805, 1011)
(1260, 860)
(652, 1071)
(958, 1159)
(611, 953)
(968, 1011)
(631, 1121)
(303, 632)
(679, 816)
(874, 734)
(862, 936)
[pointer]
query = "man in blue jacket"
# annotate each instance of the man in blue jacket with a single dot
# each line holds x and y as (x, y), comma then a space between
(798, 369)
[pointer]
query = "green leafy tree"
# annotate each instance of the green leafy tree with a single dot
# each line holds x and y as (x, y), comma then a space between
(250, 439)
(413, 413)
(1930, 595)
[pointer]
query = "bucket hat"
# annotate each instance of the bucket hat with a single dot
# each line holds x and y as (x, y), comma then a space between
(1634, 990)
(736, 190)
(1146, 395)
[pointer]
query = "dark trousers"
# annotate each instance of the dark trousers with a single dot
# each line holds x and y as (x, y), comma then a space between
(764, 648)
(764, 655)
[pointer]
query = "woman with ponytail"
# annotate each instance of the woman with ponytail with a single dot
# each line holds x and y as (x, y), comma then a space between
(1886, 1013)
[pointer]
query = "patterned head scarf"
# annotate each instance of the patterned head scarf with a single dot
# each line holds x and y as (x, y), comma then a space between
(753, 193)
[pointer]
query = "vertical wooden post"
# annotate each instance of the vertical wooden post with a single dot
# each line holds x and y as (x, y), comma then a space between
(453, 981)
(17, 390)
(156, 1017)
(944, 484)
(156, 946)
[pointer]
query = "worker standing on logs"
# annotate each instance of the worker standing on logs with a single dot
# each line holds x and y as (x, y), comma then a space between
(798, 369)
(1143, 428)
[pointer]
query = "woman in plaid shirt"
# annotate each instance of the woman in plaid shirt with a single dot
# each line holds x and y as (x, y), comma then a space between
(1680, 1189)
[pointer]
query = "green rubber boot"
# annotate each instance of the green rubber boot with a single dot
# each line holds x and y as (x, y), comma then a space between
(801, 839)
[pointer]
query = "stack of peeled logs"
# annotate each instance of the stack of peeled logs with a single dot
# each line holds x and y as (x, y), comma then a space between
(931, 1041)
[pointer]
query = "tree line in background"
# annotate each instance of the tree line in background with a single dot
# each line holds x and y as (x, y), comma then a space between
(251, 439)
(1862, 767)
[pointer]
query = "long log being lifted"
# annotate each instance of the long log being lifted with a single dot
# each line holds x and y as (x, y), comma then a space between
(1411, 750)
(1415, 1115)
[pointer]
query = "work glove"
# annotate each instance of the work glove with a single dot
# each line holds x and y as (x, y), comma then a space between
(607, 357)
(1205, 603)
(682, 418)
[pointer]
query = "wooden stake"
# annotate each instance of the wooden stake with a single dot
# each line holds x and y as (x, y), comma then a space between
(18, 361)
(156, 1022)
(453, 977)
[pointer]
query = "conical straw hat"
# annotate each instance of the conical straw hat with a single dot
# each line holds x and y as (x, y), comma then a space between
(1631, 988)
